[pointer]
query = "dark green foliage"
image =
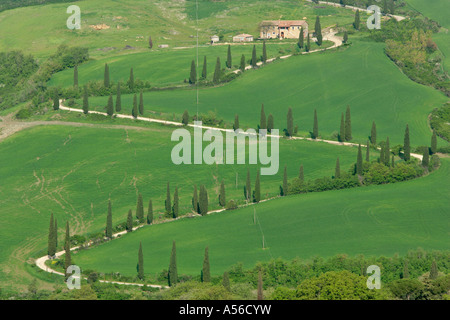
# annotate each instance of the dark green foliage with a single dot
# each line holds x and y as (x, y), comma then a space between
(134, 111)
(393, 161)
(140, 209)
(75, 77)
(290, 123)
(426, 158)
(301, 38)
(433, 143)
(193, 75)
(185, 118)
(131, 81)
(118, 99)
(260, 286)
(51, 248)
(85, 101)
(129, 226)
(257, 191)
(345, 40)
(270, 124)
(359, 162)
(168, 203)
(229, 59)
(301, 175)
(318, 31)
(247, 187)
(106, 79)
(109, 226)
(110, 106)
(315, 132)
(433, 270)
(357, 21)
(439, 119)
(285, 188)
(173, 272)
(206, 272)
(140, 262)
(341, 136)
(406, 145)
(150, 42)
(242, 65)
(405, 274)
(226, 281)
(150, 212)
(385, 9)
(264, 55)
(56, 100)
(222, 197)
(204, 70)
(262, 121)
(195, 205)
(367, 151)
(203, 201)
(236, 122)
(56, 235)
(67, 256)
(217, 72)
(348, 125)
(254, 59)
(387, 152)
(373, 134)
(337, 170)
(308, 43)
(141, 104)
(175, 208)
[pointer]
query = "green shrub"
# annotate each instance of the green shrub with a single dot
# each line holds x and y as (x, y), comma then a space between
(24, 113)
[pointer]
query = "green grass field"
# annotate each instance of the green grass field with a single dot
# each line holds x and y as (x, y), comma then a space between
(378, 220)
(361, 77)
(73, 171)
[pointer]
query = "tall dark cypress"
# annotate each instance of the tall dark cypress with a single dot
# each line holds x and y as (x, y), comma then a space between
(345, 39)
(110, 106)
(387, 152)
(357, 21)
(131, 80)
(141, 104)
(195, 200)
(51, 249)
(308, 43)
(348, 125)
(222, 197)
(236, 122)
(341, 136)
(262, 121)
(56, 100)
(254, 59)
(373, 134)
(315, 133)
(248, 188)
(217, 72)
(140, 209)
(301, 175)
(337, 171)
(318, 31)
(75, 76)
(229, 59)
(203, 201)
(193, 75)
(56, 234)
(359, 162)
(285, 190)
(264, 55)
(434, 270)
(206, 272)
(150, 212)
(106, 80)
(173, 271)
(118, 99)
(406, 145)
(368, 151)
(109, 227)
(301, 39)
(426, 158)
(433, 143)
(290, 123)
(242, 65)
(67, 256)
(134, 111)
(175, 208)
(204, 70)
(140, 262)
(129, 226)
(257, 191)
(270, 124)
(168, 202)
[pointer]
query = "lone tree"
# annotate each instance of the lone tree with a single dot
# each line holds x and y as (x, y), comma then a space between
(193, 75)
(206, 273)
(284, 189)
(75, 76)
(264, 55)
(140, 209)
(373, 134)
(301, 39)
(129, 226)
(185, 118)
(109, 227)
(51, 249)
(141, 104)
(254, 61)
(168, 202)
(106, 80)
(175, 208)
(67, 256)
(341, 136)
(131, 81)
(204, 70)
(262, 121)
(195, 201)
(217, 72)
(150, 212)
(257, 191)
(118, 99)
(222, 197)
(433, 270)
(150, 42)
(56, 100)
(173, 272)
(229, 59)
(359, 162)
(270, 123)
(406, 145)
(236, 122)
(315, 133)
(110, 106)
(318, 31)
(260, 286)
(290, 123)
(433, 143)
(247, 187)
(242, 66)
(85, 101)
(134, 111)
(337, 171)
(357, 21)
(301, 174)
(203, 201)
(140, 266)
(348, 125)
(345, 39)
(426, 158)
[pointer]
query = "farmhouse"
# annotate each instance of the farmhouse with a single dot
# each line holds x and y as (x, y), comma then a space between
(214, 39)
(243, 37)
(281, 29)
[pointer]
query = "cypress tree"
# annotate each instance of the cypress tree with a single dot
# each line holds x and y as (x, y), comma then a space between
(140, 262)
(264, 55)
(206, 273)
(345, 40)
(185, 118)
(387, 153)
(56, 100)
(236, 122)
(337, 171)
(290, 123)
(385, 7)
(405, 274)
(67, 256)
(318, 31)
(260, 286)
(131, 80)
(270, 123)
(382, 153)
(262, 121)
(406, 145)
(203, 201)
(195, 201)
(229, 59)
(285, 190)
(348, 125)
(204, 70)
(226, 281)
(254, 57)
(433, 143)
(301, 38)
(173, 272)
(217, 71)
(308, 43)
(357, 21)
(110, 106)
(118, 99)
(433, 270)
(373, 134)
(168, 202)
(393, 162)
(150, 212)
(51, 249)
(315, 134)
(56, 235)
(175, 208)
(193, 75)
(257, 191)
(426, 158)
(141, 104)
(247, 188)
(222, 198)
(134, 111)
(106, 81)
(368, 152)
(140, 209)
(359, 162)
(341, 136)
(75, 76)
(109, 227)
(129, 227)
(150, 42)
(301, 175)
(242, 66)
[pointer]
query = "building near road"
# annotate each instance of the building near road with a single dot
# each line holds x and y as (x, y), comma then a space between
(243, 37)
(282, 29)
(214, 39)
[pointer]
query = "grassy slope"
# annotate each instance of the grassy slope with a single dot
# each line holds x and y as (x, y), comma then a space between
(362, 77)
(72, 172)
(378, 220)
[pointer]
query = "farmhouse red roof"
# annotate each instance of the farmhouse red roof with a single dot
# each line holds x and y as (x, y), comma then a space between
(285, 23)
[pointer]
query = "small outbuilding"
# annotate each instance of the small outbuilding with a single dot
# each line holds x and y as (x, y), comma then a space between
(214, 39)
(243, 37)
